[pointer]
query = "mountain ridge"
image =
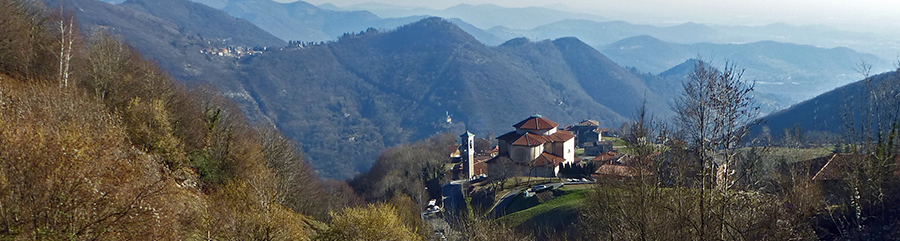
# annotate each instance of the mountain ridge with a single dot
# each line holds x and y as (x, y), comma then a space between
(826, 113)
(384, 88)
(809, 70)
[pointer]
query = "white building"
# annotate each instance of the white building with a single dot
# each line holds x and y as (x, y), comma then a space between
(535, 148)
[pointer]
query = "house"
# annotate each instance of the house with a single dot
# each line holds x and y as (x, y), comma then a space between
(625, 167)
(598, 147)
(833, 167)
(535, 148)
(494, 152)
(605, 158)
(587, 131)
(453, 151)
(480, 166)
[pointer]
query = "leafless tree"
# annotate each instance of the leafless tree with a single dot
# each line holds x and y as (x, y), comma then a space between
(713, 114)
(67, 31)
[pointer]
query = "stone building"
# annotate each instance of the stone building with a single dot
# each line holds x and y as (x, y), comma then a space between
(535, 148)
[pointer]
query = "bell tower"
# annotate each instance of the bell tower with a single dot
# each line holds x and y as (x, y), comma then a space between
(467, 151)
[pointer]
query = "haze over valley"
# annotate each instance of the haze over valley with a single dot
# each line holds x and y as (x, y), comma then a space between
(782, 59)
(452, 120)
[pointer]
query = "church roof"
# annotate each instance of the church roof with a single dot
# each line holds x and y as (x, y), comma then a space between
(536, 122)
(548, 159)
(529, 139)
(467, 134)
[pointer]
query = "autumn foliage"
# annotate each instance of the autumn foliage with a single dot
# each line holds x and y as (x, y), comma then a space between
(109, 147)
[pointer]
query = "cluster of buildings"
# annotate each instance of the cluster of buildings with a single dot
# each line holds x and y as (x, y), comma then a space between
(233, 51)
(537, 147)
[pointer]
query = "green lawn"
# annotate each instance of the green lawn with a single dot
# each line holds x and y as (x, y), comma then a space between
(557, 211)
(616, 141)
(795, 154)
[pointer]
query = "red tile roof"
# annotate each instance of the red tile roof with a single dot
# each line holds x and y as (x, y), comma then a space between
(548, 159)
(479, 159)
(535, 123)
(605, 157)
(529, 139)
(560, 136)
(836, 168)
(480, 168)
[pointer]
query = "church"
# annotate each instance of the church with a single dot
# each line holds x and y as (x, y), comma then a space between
(536, 148)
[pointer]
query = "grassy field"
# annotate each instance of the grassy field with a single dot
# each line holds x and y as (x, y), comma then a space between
(616, 141)
(557, 211)
(795, 154)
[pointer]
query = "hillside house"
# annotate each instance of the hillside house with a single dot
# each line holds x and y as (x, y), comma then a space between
(597, 147)
(625, 167)
(831, 173)
(605, 158)
(535, 148)
(588, 131)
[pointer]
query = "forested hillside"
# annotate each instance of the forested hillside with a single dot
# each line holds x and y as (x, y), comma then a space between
(348, 99)
(175, 38)
(97, 143)
(823, 118)
(378, 89)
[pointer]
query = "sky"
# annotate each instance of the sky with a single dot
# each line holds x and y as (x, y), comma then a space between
(866, 15)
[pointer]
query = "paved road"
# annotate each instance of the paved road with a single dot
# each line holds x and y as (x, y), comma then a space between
(497, 209)
(453, 197)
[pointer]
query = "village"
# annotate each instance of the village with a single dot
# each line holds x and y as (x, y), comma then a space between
(233, 51)
(541, 167)
(534, 163)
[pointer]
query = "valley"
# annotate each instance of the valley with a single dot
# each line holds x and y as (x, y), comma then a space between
(276, 120)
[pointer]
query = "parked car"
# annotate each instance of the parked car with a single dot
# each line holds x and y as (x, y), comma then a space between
(538, 188)
(439, 235)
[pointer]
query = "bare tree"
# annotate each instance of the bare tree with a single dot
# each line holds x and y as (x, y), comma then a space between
(67, 33)
(872, 135)
(713, 114)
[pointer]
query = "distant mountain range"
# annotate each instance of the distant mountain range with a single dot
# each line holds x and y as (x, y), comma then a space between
(781, 57)
(601, 33)
(483, 16)
(830, 112)
(791, 71)
(347, 99)
(301, 21)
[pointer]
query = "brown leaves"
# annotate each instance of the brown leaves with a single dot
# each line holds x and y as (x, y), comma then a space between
(374, 222)
(70, 172)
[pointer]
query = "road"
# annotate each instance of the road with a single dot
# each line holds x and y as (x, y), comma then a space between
(453, 197)
(499, 207)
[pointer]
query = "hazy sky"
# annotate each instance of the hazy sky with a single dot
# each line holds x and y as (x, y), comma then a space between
(869, 15)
